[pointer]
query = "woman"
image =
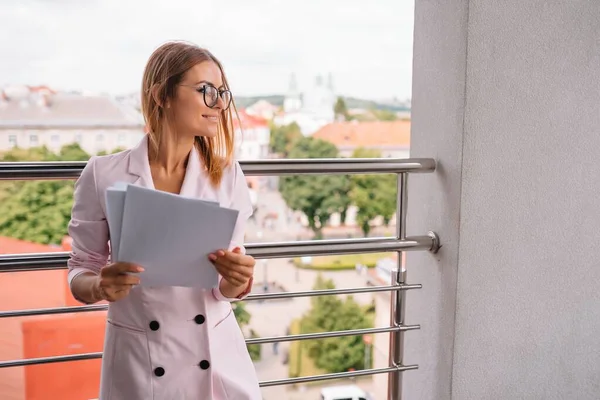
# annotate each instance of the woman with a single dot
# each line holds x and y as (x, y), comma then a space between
(170, 342)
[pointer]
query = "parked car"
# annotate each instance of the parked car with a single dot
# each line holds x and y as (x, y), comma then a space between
(345, 392)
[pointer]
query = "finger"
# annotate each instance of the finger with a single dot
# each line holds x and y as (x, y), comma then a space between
(223, 262)
(117, 292)
(233, 276)
(235, 279)
(234, 257)
(241, 275)
(128, 267)
(239, 258)
(228, 267)
(119, 268)
(123, 289)
(127, 279)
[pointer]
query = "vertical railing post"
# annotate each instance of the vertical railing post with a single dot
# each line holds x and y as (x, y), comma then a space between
(398, 299)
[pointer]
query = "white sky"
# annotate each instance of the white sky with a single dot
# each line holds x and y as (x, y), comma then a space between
(102, 45)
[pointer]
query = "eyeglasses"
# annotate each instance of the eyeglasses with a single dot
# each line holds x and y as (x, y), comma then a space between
(211, 95)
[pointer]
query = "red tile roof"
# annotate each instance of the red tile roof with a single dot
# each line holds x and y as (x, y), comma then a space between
(249, 121)
(9, 245)
(366, 134)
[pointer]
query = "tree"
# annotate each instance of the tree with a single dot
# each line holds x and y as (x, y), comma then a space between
(373, 195)
(340, 109)
(117, 150)
(243, 318)
(384, 115)
(38, 211)
(317, 196)
(241, 314)
(70, 152)
(283, 138)
(330, 313)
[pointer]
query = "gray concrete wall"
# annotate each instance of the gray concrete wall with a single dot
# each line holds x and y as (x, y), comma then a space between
(506, 95)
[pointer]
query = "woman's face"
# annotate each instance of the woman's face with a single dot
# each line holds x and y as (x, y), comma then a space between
(191, 114)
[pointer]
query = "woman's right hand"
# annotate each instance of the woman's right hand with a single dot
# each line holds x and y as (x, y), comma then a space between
(115, 281)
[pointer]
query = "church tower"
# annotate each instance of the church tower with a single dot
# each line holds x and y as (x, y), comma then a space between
(292, 101)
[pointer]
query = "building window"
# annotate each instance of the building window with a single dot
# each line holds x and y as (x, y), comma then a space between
(55, 139)
(121, 138)
(100, 138)
(12, 140)
(78, 138)
(33, 140)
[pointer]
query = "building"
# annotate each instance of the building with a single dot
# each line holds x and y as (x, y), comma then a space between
(382, 275)
(252, 136)
(39, 116)
(262, 109)
(47, 335)
(312, 109)
(391, 138)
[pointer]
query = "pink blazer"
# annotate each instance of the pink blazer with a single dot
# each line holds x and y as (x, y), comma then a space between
(163, 342)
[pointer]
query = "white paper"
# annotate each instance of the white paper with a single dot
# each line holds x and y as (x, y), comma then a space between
(115, 202)
(170, 236)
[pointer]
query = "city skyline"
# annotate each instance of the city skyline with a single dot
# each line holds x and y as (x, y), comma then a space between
(102, 46)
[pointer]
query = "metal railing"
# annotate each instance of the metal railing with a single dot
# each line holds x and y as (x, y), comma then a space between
(400, 243)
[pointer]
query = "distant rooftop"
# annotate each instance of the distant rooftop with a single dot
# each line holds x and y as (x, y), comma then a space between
(43, 108)
(249, 121)
(368, 134)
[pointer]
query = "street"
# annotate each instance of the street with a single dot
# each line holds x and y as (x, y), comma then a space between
(272, 318)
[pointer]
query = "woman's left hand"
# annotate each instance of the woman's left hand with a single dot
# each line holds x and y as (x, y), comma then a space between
(235, 267)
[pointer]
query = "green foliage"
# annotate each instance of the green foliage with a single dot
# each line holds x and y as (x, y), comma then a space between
(70, 152)
(104, 152)
(373, 195)
(254, 349)
(283, 138)
(317, 196)
(243, 318)
(241, 314)
(294, 360)
(38, 211)
(331, 313)
(340, 262)
(340, 109)
(384, 115)
(374, 115)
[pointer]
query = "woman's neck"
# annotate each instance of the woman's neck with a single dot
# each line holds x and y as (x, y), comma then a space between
(173, 152)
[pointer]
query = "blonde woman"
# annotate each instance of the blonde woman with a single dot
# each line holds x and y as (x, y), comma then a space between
(170, 342)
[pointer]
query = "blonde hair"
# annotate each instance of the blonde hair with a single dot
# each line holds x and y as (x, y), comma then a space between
(163, 73)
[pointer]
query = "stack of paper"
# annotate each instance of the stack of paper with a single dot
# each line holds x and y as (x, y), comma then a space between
(170, 236)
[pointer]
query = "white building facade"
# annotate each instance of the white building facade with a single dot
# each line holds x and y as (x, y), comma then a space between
(312, 109)
(34, 117)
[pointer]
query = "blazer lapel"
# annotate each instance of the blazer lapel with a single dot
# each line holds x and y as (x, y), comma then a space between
(139, 165)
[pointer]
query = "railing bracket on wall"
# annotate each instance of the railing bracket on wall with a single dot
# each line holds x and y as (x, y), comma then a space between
(435, 246)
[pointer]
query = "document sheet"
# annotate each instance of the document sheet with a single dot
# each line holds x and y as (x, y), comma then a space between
(170, 236)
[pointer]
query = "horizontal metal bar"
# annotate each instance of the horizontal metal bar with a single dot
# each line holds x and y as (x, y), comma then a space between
(251, 297)
(339, 246)
(329, 292)
(304, 379)
(339, 375)
(72, 169)
(49, 360)
(52, 311)
(337, 166)
(58, 260)
(324, 335)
